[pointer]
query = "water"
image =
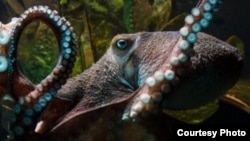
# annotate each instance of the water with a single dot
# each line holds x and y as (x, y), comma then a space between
(97, 22)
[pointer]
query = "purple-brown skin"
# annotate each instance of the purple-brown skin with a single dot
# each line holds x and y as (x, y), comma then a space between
(91, 105)
(20, 81)
(107, 101)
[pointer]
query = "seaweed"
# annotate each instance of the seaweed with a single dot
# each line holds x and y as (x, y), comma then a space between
(128, 15)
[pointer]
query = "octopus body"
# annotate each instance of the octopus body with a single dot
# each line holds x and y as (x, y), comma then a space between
(123, 95)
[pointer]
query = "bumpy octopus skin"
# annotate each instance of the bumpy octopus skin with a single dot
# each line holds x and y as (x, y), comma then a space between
(125, 92)
(5, 35)
(139, 67)
(87, 102)
(31, 99)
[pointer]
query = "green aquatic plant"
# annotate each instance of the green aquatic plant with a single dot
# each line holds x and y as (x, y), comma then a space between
(98, 7)
(238, 43)
(174, 23)
(62, 2)
(116, 4)
(239, 95)
(128, 15)
(195, 115)
(37, 51)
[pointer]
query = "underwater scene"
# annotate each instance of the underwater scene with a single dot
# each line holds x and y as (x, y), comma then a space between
(127, 70)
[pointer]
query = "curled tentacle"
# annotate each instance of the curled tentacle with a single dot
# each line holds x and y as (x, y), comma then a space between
(168, 75)
(33, 103)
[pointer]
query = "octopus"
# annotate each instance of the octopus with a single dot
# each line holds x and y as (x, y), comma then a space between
(123, 96)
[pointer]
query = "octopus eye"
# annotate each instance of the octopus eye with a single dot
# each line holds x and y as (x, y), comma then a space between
(122, 44)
